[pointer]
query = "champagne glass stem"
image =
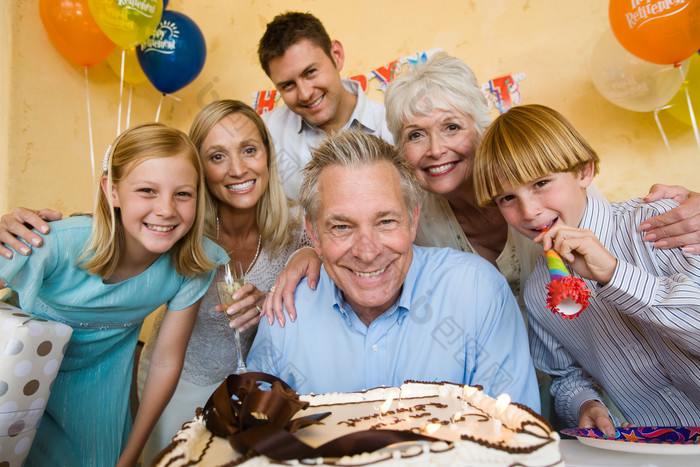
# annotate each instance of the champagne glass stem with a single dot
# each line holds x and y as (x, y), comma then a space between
(241, 368)
(241, 362)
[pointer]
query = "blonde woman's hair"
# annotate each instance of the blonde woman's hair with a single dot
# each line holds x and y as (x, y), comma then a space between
(273, 215)
(354, 149)
(526, 143)
(106, 243)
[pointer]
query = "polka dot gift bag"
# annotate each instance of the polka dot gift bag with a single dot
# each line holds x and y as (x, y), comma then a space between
(31, 351)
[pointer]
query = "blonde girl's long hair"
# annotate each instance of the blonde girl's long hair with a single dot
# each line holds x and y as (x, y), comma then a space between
(106, 243)
(273, 215)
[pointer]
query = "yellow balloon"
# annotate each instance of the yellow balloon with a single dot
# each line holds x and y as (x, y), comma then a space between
(679, 104)
(127, 23)
(133, 74)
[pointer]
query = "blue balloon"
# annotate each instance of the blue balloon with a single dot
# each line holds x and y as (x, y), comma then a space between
(174, 55)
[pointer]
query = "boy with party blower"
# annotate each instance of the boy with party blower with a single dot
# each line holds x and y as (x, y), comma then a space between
(639, 338)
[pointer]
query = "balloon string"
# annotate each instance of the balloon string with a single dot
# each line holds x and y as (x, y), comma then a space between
(692, 117)
(128, 108)
(160, 104)
(661, 129)
(89, 118)
(121, 93)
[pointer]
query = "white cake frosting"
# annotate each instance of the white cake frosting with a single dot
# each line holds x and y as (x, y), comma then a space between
(473, 428)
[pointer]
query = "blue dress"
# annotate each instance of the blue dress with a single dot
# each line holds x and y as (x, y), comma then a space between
(87, 418)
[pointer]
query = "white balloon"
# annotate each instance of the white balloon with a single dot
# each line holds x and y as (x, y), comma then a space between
(630, 82)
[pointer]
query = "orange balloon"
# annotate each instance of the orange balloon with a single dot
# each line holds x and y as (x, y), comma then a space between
(659, 31)
(74, 32)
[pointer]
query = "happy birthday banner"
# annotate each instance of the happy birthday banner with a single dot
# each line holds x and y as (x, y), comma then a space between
(501, 93)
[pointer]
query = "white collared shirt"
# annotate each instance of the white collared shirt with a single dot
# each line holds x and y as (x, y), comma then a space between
(293, 137)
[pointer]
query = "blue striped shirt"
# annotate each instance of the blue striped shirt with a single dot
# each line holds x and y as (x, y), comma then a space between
(639, 339)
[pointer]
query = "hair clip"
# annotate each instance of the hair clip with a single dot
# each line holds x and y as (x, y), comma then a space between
(105, 159)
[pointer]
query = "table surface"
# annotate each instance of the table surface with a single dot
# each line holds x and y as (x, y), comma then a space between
(577, 454)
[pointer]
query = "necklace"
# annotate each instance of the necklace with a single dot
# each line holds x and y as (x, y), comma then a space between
(257, 250)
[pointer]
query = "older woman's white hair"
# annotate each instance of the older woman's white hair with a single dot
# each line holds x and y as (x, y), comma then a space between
(443, 82)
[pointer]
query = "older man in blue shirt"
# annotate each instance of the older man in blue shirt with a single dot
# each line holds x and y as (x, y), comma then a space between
(386, 311)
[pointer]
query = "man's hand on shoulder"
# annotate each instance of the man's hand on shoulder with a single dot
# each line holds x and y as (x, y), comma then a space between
(18, 224)
(303, 263)
(679, 227)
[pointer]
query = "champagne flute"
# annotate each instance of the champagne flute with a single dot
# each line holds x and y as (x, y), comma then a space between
(229, 278)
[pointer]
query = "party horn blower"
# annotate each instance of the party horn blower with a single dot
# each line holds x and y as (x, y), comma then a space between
(566, 294)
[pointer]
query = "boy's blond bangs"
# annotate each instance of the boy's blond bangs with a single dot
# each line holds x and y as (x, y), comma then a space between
(526, 143)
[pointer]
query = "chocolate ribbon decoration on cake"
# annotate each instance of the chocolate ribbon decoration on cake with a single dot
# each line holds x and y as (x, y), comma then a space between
(260, 422)
(253, 405)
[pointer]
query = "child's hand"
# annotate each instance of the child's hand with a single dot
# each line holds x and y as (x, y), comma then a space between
(593, 414)
(581, 250)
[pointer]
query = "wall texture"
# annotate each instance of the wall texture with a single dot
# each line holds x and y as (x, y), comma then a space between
(5, 77)
(45, 152)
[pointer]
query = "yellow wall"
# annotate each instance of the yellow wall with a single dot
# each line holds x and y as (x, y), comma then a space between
(5, 54)
(44, 151)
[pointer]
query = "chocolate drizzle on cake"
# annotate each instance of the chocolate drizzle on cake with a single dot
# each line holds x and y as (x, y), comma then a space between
(469, 424)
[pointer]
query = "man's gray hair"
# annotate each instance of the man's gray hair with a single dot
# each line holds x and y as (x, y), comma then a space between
(354, 149)
(443, 82)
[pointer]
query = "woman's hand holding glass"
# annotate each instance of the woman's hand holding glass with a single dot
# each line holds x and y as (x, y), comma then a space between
(239, 301)
(243, 312)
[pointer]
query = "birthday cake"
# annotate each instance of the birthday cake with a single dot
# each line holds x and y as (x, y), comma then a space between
(414, 425)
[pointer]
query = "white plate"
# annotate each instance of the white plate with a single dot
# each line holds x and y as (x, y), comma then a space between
(641, 448)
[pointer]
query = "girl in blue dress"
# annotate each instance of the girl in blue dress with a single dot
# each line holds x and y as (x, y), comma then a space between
(102, 275)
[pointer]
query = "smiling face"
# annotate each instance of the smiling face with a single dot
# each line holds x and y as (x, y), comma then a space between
(365, 239)
(310, 84)
(557, 197)
(235, 162)
(440, 147)
(158, 204)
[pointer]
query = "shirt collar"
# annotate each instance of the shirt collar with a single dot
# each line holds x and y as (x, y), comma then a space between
(406, 298)
(398, 309)
(360, 119)
(597, 218)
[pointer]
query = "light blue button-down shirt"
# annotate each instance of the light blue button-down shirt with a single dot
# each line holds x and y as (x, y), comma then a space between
(455, 320)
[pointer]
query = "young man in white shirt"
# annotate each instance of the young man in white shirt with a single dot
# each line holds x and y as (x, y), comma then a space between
(304, 65)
